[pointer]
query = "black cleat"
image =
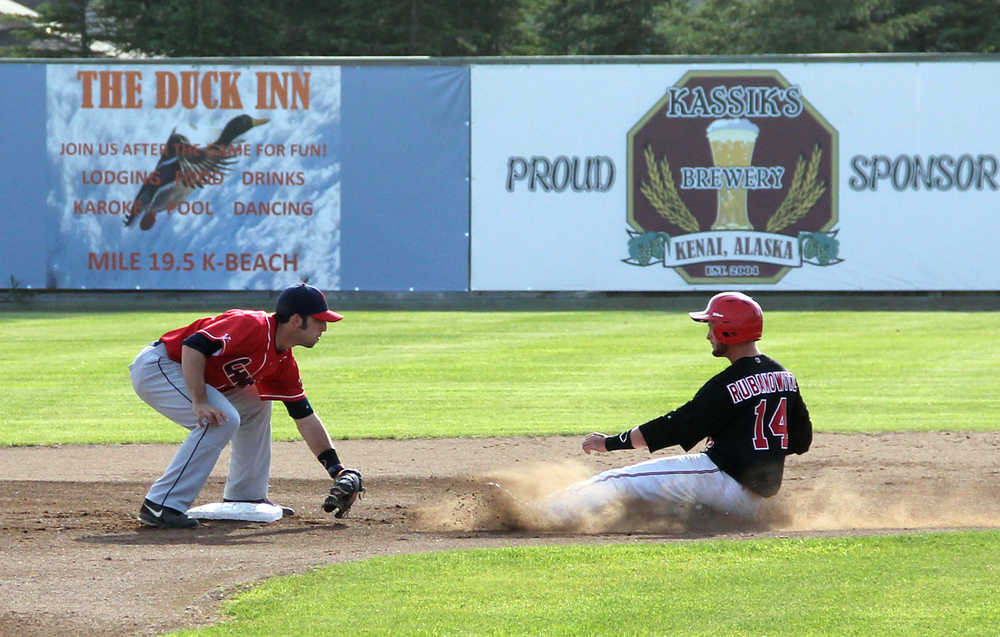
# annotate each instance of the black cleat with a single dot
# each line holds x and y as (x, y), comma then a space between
(164, 517)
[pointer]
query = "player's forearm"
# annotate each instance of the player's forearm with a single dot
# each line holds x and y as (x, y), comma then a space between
(193, 366)
(628, 439)
(314, 433)
(638, 440)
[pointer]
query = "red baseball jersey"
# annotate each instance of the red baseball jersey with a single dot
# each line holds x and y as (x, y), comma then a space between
(247, 354)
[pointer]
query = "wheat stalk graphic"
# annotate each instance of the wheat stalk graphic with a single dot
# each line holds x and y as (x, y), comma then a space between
(661, 192)
(803, 194)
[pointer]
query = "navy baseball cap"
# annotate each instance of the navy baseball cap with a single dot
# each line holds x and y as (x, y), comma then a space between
(306, 300)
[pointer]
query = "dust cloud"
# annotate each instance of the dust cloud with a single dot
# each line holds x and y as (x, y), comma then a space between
(833, 504)
(519, 501)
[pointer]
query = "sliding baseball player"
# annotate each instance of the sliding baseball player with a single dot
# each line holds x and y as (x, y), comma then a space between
(751, 413)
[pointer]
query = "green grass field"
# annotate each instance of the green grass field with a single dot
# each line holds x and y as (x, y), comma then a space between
(940, 584)
(432, 374)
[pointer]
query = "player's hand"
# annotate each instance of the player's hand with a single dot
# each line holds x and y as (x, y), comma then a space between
(346, 488)
(208, 415)
(594, 442)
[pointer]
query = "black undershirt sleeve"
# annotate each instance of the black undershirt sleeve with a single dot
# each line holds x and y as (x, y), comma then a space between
(202, 343)
(298, 408)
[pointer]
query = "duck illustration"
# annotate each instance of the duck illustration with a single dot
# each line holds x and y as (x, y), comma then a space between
(182, 168)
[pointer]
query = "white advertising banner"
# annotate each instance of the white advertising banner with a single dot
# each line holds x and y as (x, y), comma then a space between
(841, 175)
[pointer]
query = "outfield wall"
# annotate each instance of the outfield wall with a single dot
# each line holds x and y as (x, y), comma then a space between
(777, 173)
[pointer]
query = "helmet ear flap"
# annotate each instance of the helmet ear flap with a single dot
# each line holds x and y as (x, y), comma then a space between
(725, 335)
(717, 332)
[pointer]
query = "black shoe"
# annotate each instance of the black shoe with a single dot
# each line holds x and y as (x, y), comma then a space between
(285, 511)
(164, 517)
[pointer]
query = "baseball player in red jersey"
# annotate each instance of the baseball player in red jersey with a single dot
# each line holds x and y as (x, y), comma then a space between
(217, 377)
(752, 414)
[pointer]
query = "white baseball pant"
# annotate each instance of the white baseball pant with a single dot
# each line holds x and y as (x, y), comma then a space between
(670, 482)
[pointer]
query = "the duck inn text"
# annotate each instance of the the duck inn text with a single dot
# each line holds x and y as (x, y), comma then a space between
(193, 89)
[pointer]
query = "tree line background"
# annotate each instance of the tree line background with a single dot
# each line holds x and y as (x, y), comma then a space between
(469, 28)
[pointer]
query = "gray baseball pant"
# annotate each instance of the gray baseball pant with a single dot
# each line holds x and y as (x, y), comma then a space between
(159, 381)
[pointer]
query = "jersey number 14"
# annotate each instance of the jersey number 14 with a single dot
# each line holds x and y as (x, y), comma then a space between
(778, 425)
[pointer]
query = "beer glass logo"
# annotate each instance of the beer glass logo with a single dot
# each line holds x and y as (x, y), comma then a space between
(732, 178)
(732, 142)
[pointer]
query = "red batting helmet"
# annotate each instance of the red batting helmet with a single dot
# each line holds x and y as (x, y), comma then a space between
(734, 317)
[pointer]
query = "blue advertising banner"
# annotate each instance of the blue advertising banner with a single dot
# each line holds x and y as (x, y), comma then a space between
(405, 200)
(24, 220)
(237, 177)
(217, 177)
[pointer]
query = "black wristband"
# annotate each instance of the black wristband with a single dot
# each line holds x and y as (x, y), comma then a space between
(621, 441)
(330, 461)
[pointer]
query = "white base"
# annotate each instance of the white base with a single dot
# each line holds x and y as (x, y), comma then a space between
(244, 511)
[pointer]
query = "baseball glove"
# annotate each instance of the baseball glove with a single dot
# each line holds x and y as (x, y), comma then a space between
(346, 488)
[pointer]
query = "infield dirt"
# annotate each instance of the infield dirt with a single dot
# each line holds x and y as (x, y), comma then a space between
(76, 561)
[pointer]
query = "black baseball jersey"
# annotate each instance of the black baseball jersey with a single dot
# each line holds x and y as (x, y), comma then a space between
(753, 416)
